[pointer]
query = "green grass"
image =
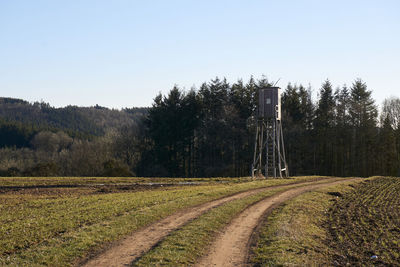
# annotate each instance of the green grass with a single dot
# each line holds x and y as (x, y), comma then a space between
(37, 230)
(184, 246)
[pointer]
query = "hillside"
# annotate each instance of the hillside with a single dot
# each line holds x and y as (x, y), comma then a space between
(17, 115)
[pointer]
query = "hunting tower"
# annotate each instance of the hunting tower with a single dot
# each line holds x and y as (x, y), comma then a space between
(269, 148)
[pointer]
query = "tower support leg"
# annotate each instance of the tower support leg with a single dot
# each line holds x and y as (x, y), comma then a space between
(269, 136)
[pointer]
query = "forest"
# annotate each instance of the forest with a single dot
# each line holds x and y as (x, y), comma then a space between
(204, 132)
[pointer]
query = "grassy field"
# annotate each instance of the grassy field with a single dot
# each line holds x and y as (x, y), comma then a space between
(55, 226)
(184, 246)
(348, 224)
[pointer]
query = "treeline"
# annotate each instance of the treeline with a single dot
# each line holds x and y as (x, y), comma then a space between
(58, 154)
(210, 131)
(201, 133)
(77, 121)
(341, 134)
(39, 140)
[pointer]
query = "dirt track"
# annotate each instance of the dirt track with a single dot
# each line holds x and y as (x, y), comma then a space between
(132, 247)
(232, 245)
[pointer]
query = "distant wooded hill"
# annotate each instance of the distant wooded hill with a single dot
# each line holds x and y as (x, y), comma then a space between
(21, 120)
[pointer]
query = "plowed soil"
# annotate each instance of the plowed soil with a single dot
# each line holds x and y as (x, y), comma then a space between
(364, 225)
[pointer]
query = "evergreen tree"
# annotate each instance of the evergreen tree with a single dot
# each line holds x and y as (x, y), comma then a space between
(388, 152)
(363, 118)
(171, 124)
(306, 108)
(323, 130)
(342, 157)
(391, 111)
(191, 119)
(215, 151)
(324, 115)
(297, 115)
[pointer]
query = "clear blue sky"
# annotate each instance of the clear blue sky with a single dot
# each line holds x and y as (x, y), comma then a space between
(122, 53)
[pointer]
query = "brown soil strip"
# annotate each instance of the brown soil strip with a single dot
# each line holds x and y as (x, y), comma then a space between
(129, 249)
(232, 245)
(120, 186)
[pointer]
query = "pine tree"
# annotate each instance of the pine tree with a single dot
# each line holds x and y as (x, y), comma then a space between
(325, 113)
(216, 151)
(306, 108)
(391, 111)
(323, 130)
(389, 154)
(191, 118)
(342, 157)
(363, 118)
(297, 116)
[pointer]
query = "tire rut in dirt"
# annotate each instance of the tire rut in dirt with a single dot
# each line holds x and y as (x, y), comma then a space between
(232, 245)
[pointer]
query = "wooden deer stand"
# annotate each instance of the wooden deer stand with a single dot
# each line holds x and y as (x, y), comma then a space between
(269, 147)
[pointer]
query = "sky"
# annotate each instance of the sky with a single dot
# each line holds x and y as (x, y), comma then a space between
(122, 53)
